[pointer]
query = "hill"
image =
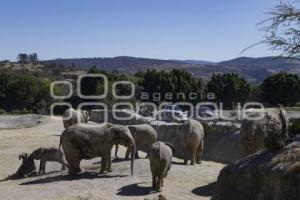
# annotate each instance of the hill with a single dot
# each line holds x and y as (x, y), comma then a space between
(122, 63)
(253, 69)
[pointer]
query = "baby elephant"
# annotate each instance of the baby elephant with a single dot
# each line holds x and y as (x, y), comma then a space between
(160, 157)
(48, 154)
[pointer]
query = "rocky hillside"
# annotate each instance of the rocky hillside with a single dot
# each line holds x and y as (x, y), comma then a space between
(253, 69)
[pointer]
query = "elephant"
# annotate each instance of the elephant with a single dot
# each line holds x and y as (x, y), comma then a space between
(26, 169)
(87, 141)
(72, 116)
(187, 138)
(48, 154)
(271, 131)
(192, 138)
(144, 136)
(160, 157)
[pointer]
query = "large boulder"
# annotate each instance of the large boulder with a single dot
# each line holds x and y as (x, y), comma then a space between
(268, 130)
(221, 142)
(265, 175)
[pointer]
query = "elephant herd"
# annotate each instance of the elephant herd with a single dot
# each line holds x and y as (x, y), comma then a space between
(81, 140)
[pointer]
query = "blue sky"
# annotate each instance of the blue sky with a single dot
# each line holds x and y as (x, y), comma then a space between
(213, 30)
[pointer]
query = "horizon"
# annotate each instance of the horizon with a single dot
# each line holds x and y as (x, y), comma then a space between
(193, 30)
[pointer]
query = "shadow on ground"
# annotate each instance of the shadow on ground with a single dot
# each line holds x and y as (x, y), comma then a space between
(206, 190)
(84, 175)
(134, 190)
(177, 163)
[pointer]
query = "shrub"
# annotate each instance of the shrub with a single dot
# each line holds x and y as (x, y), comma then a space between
(294, 126)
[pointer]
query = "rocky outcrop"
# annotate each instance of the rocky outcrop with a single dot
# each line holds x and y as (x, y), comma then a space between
(122, 117)
(265, 175)
(268, 131)
(221, 142)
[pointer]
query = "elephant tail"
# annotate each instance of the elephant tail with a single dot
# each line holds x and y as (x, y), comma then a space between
(60, 143)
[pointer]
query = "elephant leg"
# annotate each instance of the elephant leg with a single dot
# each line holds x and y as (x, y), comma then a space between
(109, 169)
(199, 152)
(185, 157)
(128, 150)
(153, 182)
(116, 151)
(63, 165)
(194, 152)
(158, 183)
(42, 167)
(77, 166)
(103, 165)
(74, 166)
(105, 162)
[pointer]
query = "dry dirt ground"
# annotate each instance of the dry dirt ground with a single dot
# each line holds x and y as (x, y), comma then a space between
(183, 182)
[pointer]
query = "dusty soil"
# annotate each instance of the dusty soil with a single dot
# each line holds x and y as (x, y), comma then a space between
(19, 121)
(183, 182)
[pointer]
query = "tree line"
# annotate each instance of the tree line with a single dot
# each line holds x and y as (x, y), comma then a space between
(26, 93)
(27, 58)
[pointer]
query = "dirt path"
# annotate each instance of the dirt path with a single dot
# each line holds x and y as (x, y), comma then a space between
(183, 182)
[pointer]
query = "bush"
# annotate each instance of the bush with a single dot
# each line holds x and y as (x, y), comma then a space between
(229, 89)
(2, 111)
(281, 88)
(21, 93)
(294, 126)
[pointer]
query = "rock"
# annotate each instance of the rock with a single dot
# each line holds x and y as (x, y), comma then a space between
(265, 175)
(268, 132)
(221, 142)
(123, 117)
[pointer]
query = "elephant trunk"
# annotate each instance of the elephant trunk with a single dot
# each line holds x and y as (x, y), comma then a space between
(133, 150)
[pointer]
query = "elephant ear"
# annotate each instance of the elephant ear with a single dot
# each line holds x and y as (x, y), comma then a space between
(116, 133)
(171, 147)
(132, 130)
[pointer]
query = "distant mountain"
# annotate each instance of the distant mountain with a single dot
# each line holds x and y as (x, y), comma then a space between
(254, 70)
(200, 62)
(271, 61)
(121, 63)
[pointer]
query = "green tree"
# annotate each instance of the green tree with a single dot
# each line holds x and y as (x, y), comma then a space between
(23, 58)
(229, 89)
(281, 88)
(33, 58)
(23, 92)
(174, 81)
